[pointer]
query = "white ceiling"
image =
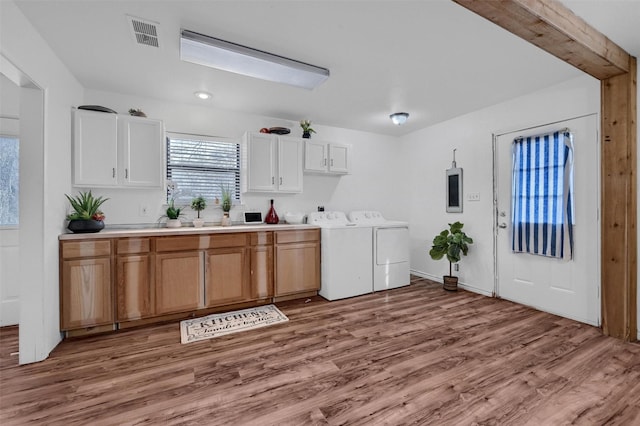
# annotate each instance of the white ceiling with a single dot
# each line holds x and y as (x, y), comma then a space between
(433, 59)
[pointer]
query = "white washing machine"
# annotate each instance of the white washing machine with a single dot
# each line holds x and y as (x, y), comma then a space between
(390, 260)
(345, 255)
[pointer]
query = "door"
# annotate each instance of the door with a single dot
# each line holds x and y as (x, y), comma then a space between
(226, 279)
(339, 158)
(261, 172)
(185, 268)
(142, 151)
(95, 148)
(315, 156)
(289, 165)
(569, 288)
(133, 287)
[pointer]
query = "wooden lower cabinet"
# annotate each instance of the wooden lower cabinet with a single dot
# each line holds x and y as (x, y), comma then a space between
(261, 272)
(297, 263)
(179, 282)
(113, 283)
(86, 293)
(227, 277)
(134, 288)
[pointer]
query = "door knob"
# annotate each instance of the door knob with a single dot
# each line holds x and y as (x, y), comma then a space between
(502, 225)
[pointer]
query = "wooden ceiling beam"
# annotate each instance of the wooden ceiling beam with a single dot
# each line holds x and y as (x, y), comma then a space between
(555, 29)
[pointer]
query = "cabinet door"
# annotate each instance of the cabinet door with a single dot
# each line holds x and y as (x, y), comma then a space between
(179, 282)
(289, 165)
(142, 153)
(339, 158)
(227, 276)
(315, 156)
(297, 268)
(133, 288)
(260, 156)
(86, 293)
(95, 148)
(261, 272)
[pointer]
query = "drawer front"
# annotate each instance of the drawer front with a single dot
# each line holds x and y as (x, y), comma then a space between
(201, 242)
(86, 249)
(261, 238)
(133, 245)
(284, 237)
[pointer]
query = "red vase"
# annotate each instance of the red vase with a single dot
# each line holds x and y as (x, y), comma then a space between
(272, 216)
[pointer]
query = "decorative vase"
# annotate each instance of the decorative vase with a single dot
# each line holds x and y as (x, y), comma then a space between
(85, 226)
(174, 223)
(306, 135)
(226, 220)
(198, 223)
(450, 283)
(272, 216)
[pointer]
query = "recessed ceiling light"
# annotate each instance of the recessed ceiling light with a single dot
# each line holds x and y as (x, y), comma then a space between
(203, 95)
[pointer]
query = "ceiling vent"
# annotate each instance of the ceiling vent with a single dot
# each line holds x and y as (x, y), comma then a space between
(144, 32)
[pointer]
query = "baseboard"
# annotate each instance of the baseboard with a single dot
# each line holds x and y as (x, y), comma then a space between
(462, 285)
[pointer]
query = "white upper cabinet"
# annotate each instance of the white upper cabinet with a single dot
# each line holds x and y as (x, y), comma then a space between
(271, 163)
(326, 157)
(115, 151)
(95, 151)
(142, 154)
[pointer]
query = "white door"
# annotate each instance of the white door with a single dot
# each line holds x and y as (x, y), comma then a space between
(261, 172)
(142, 151)
(95, 148)
(339, 158)
(569, 288)
(289, 165)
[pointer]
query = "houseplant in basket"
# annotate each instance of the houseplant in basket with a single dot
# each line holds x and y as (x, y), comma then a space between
(452, 243)
(173, 214)
(198, 204)
(86, 216)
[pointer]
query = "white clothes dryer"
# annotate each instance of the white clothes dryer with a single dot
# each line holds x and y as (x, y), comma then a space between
(345, 255)
(390, 260)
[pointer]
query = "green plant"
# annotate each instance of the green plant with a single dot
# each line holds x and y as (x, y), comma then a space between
(226, 198)
(173, 212)
(86, 206)
(452, 242)
(306, 126)
(198, 204)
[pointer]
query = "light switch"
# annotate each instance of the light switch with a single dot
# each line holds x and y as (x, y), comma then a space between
(473, 196)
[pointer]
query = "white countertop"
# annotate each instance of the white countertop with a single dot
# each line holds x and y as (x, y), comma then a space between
(154, 232)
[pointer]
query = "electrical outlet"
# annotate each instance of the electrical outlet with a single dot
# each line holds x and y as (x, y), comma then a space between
(143, 210)
(473, 196)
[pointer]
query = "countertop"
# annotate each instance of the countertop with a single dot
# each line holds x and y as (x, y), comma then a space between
(154, 232)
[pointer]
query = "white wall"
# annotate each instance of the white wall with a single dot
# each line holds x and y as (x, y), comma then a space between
(638, 211)
(371, 185)
(428, 153)
(48, 173)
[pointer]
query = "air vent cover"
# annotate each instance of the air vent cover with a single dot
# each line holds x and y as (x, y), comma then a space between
(143, 31)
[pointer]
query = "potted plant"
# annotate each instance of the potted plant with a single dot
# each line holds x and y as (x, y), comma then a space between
(306, 128)
(453, 243)
(226, 204)
(198, 204)
(87, 216)
(173, 214)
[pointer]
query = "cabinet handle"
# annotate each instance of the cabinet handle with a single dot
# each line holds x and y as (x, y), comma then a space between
(126, 173)
(113, 172)
(273, 180)
(280, 180)
(332, 162)
(324, 162)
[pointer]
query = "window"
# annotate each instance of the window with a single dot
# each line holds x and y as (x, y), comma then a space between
(542, 195)
(9, 182)
(201, 166)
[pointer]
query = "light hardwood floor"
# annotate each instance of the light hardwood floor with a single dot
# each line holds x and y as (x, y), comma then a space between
(416, 355)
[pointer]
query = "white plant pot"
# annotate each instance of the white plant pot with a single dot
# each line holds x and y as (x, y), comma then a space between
(174, 223)
(226, 220)
(198, 223)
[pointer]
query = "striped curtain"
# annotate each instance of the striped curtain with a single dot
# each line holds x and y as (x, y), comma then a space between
(542, 195)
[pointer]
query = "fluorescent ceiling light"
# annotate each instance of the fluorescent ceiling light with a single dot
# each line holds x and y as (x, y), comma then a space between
(220, 54)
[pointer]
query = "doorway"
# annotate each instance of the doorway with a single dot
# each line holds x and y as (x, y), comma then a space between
(569, 288)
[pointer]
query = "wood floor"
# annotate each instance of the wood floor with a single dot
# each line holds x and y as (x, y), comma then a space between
(417, 355)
